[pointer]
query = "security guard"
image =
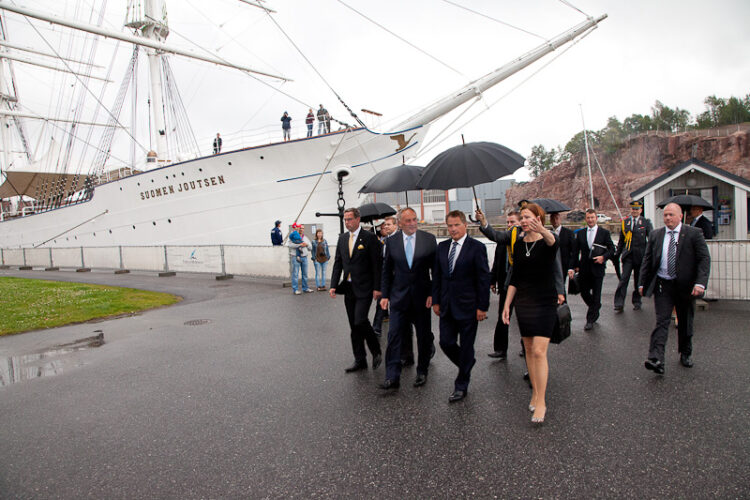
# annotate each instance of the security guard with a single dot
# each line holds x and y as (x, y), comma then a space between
(634, 231)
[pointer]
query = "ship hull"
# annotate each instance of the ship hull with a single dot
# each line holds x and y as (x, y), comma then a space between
(229, 198)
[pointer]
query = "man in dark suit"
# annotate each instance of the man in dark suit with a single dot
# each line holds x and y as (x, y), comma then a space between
(701, 222)
(500, 276)
(358, 258)
(407, 289)
(460, 296)
(675, 270)
(630, 248)
(565, 243)
(592, 247)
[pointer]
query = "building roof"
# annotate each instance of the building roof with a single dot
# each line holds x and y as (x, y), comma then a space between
(692, 163)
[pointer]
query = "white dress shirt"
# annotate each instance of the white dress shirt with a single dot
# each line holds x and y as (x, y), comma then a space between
(458, 248)
(591, 235)
(663, 272)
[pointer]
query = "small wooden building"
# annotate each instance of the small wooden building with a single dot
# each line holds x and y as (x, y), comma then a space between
(727, 192)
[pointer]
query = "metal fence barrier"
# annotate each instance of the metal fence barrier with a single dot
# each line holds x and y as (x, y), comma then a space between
(729, 279)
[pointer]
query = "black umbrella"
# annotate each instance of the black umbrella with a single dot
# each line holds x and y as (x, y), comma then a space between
(686, 200)
(470, 164)
(402, 178)
(549, 205)
(369, 212)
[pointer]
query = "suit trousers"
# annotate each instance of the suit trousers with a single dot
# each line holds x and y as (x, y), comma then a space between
(361, 329)
(399, 331)
(453, 331)
(591, 293)
(667, 297)
(500, 340)
(631, 263)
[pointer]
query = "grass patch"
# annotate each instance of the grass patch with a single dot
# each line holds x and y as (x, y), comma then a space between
(27, 304)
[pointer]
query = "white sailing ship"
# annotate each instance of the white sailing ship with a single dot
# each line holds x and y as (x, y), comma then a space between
(226, 198)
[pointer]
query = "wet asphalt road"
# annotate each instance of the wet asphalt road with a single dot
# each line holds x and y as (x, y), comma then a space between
(256, 404)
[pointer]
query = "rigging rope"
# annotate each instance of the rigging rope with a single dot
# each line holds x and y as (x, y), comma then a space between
(401, 38)
(494, 19)
(429, 146)
(313, 68)
(84, 85)
(565, 2)
(605, 182)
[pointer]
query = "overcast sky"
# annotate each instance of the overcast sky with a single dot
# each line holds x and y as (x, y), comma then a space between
(676, 51)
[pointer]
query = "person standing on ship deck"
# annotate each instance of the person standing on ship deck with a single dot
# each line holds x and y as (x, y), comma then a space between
(286, 126)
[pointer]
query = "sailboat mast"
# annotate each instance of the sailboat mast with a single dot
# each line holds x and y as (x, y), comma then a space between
(150, 20)
(475, 88)
(588, 159)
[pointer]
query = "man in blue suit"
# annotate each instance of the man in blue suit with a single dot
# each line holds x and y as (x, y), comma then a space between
(460, 296)
(407, 288)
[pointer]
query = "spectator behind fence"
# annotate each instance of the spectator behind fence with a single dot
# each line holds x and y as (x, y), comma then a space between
(309, 120)
(321, 256)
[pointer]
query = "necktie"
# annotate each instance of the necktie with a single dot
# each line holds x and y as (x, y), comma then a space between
(672, 256)
(452, 257)
(351, 243)
(409, 250)
(591, 237)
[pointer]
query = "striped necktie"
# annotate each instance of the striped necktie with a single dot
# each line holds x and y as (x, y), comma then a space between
(672, 256)
(452, 257)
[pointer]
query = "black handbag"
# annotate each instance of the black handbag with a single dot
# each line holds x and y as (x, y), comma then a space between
(573, 285)
(562, 325)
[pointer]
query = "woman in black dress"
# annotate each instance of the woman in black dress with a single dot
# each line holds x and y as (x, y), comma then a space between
(534, 297)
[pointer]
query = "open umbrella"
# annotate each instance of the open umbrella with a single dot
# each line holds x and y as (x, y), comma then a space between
(549, 205)
(402, 178)
(686, 200)
(369, 212)
(468, 165)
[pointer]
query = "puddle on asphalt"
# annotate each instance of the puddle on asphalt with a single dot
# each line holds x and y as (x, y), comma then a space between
(47, 362)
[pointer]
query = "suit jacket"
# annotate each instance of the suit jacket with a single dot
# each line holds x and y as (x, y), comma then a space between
(365, 264)
(693, 260)
(705, 225)
(408, 287)
(565, 245)
(499, 272)
(583, 255)
(639, 237)
(468, 288)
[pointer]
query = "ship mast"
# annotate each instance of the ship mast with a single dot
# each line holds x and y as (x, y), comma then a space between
(475, 88)
(149, 19)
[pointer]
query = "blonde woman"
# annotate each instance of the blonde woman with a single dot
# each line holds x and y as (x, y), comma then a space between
(534, 297)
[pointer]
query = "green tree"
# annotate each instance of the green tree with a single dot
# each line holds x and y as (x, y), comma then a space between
(577, 143)
(612, 135)
(637, 124)
(668, 119)
(540, 159)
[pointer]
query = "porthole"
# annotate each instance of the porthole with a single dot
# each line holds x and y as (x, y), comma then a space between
(152, 180)
(261, 158)
(154, 223)
(200, 170)
(110, 231)
(169, 220)
(182, 173)
(229, 162)
(133, 227)
(139, 183)
(120, 189)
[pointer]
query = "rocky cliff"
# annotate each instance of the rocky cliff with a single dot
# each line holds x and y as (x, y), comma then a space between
(639, 160)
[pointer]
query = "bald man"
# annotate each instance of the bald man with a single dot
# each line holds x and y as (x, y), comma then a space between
(675, 270)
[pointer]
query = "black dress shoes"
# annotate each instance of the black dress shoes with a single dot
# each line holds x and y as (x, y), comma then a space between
(432, 351)
(499, 355)
(456, 396)
(686, 361)
(390, 384)
(376, 360)
(407, 362)
(636, 307)
(655, 365)
(420, 380)
(618, 309)
(589, 326)
(356, 367)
